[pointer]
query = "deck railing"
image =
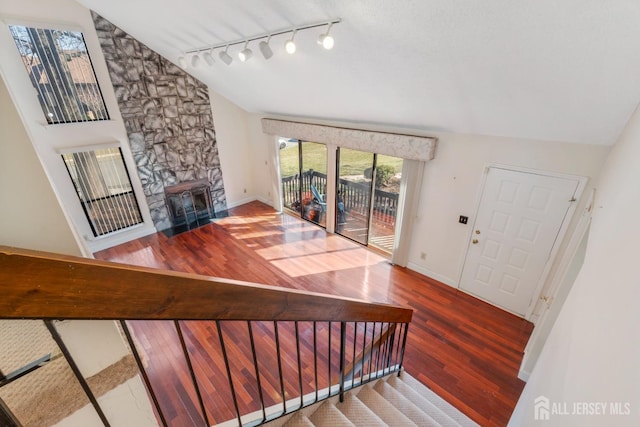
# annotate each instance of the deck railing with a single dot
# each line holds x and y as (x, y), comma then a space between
(355, 196)
(277, 349)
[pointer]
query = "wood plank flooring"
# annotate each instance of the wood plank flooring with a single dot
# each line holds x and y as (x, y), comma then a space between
(464, 349)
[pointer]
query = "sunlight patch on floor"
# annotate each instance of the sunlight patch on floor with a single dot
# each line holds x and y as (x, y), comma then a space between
(305, 247)
(326, 262)
(244, 219)
(256, 234)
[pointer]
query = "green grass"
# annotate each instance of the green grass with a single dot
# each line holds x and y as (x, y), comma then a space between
(315, 157)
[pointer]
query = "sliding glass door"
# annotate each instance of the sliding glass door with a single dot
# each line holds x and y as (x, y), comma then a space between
(303, 167)
(353, 194)
(382, 227)
(367, 187)
(367, 197)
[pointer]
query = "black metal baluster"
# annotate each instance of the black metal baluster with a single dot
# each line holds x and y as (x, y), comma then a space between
(76, 371)
(226, 364)
(384, 348)
(392, 337)
(143, 372)
(397, 344)
(373, 339)
(329, 357)
(194, 380)
(299, 363)
(396, 338)
(364, 347)
(255, 364)
(315, 358)
(404, 344)
(353, 362)
(385, 361)
(380, 349)
(343, 348)
(284, 402)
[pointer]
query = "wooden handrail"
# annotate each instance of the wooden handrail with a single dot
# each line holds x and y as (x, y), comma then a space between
(41, 285)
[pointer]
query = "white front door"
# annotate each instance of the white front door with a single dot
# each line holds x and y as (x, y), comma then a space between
(518, 221)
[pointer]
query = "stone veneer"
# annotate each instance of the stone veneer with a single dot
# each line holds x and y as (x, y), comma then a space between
(167, 115)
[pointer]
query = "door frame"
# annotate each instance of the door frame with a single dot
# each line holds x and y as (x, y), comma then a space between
(564, 227)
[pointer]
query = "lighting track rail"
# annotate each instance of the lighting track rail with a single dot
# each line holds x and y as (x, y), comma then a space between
(206, 52)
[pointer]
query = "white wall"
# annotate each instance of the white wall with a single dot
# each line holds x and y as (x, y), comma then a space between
(231, 126)
(593, 351)
(264, 162)
(451, 185)
(545, 324)
(30, 217)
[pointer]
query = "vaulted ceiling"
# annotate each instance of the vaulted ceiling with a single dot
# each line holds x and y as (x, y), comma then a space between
(558, 70)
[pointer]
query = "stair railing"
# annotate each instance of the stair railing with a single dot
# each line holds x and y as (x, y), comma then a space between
(278, 349)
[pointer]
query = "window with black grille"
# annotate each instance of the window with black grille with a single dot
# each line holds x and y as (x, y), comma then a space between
(60, 70)
(102, 182)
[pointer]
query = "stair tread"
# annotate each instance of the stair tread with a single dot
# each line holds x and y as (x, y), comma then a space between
(327, 415)
(299, 420)
(411, 411)
(359, 413)
(426, 405)
(438, 401)
(383, 408)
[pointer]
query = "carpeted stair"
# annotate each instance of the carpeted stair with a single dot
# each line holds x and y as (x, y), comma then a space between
(392, 401)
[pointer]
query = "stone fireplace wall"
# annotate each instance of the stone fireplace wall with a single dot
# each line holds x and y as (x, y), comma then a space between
(167, 115)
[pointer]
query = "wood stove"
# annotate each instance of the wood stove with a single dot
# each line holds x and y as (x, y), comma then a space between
(189, 203)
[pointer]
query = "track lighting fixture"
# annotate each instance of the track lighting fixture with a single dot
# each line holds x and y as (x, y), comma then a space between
(325, 40)
(225, 57)
(206, 53)
(290, 45)
(246, 53)
(265, 49)
(195, 60)
(208, 58)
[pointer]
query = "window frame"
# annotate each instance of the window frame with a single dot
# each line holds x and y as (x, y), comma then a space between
(79, 199)
(44, 95)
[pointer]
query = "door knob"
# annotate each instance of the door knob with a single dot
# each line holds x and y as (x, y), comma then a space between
(474, 241)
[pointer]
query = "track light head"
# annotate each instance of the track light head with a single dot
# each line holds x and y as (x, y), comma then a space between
(208, 58)
(325, 40)
(246, 53)
(290, 45)
(195, 60)
(182, 62)
(265, 49)
(225, 57)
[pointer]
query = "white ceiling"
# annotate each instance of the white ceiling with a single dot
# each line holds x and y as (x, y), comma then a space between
(560, 70)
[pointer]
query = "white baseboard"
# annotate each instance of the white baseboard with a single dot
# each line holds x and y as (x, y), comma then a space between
(265, 201)
(246, 200)
(239, 202)
(119, 237)
(440, 278)
(524, 375)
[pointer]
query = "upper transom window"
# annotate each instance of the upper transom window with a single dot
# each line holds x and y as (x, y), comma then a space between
(60, 70)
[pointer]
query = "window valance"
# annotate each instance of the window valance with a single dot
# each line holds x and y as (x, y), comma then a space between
(410, 147)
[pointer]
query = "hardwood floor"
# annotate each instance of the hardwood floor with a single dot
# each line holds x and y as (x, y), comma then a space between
(464, 349)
